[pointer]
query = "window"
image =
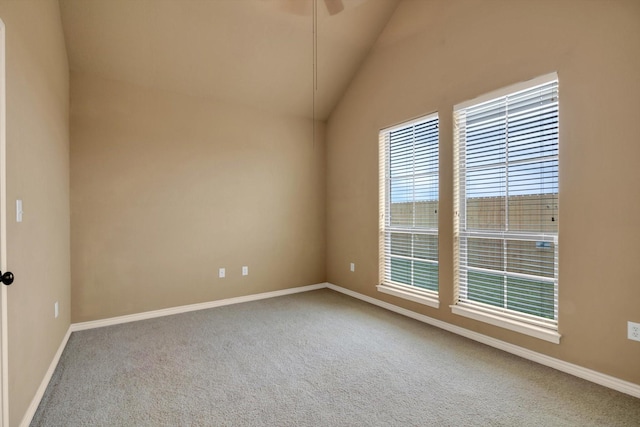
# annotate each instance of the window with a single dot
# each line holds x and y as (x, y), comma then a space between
(409, 210)
(506, 207)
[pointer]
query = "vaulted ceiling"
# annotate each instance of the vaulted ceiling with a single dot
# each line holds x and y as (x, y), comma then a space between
(258, 53)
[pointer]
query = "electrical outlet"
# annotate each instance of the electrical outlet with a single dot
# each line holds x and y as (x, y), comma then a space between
(56, 310)
(245, 270)
(353, 266)
(221, 273)
(633, 331)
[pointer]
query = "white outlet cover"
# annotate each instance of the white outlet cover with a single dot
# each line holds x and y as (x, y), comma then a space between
(633, 331)
(221, 273)
(56, 310)
(245, 270)
(353, 266)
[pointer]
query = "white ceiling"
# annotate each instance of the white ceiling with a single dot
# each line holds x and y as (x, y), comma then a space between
(250, 52)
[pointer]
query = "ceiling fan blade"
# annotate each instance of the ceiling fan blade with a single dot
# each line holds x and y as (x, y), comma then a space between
(334, 6)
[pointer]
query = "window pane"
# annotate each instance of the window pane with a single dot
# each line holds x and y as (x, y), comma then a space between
(486, 288)
(401, 153)
(533, 178)
(401, 190)
(536, 213)
(426, 148)
(402, 214)
(485, 253)
(401, 244)
(488, 148)
(486, 213)
(425, 246)
(532, 258)
(426, 188)
(401, 270)
(486, 134)
(426, 214)
(531, 297)
(425, 275)
(534, 136)
(486, 182)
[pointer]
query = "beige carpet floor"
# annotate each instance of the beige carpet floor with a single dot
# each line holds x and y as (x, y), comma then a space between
(314, 359)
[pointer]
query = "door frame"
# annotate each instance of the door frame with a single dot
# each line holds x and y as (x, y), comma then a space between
(4, 355)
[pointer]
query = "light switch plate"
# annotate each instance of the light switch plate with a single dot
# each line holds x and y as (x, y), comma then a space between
(18, 210)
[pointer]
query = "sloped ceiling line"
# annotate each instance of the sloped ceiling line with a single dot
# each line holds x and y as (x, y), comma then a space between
(250, 52)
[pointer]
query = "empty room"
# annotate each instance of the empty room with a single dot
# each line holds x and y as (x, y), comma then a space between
(319, 212)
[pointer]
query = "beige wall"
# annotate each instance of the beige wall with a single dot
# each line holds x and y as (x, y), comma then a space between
(38, 173)
(167, 188)
(435, 54)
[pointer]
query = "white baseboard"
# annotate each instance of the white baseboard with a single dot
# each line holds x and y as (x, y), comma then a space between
(33, 407)
(191, 307)
(569, 368)
(578, 371)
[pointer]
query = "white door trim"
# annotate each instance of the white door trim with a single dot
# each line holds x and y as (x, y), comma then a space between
(4, 355)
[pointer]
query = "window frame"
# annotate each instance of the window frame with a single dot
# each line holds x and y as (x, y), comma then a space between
(499, 316)
(386, 285)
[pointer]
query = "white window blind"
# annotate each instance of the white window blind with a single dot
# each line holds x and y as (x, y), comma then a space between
(409, 206)
(506, 224)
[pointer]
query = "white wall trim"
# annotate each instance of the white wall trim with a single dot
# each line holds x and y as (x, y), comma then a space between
(4, 328)
(191, 307)
(516, 87)
(33, 407)
(507, 323)
(569, 368)
(411, 295)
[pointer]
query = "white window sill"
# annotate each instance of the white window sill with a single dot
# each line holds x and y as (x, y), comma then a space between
(410, 294)
(513, 325)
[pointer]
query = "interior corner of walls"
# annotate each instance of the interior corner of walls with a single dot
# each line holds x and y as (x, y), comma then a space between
(35, 402)
(238, 180)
